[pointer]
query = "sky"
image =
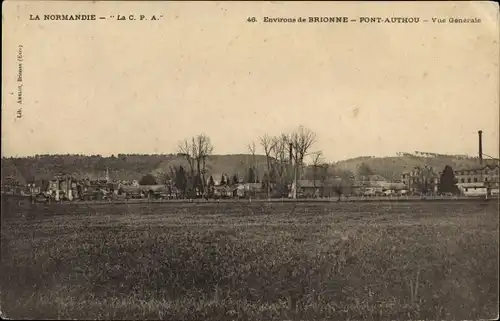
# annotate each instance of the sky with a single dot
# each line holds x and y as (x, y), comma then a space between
(109, 87)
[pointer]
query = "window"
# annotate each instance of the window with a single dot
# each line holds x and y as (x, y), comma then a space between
(466, 189)
(468, 180)
(462, 180)
(475, 179)
(486, 179)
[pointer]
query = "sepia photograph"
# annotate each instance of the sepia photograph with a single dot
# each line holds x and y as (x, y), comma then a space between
(268, 160)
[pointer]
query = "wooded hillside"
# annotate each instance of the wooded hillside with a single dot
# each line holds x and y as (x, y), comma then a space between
(123, 167)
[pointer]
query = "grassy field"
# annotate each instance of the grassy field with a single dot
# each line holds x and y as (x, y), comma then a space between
(260, 261)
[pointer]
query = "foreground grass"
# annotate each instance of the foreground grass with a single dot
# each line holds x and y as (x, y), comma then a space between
(265, 262)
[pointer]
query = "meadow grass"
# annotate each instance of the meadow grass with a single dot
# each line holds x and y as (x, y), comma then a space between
(252, 261)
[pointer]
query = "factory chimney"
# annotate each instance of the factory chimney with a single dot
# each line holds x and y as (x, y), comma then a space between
(480, 133)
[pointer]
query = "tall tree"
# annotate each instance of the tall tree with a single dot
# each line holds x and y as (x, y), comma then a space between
(425, 181)
(267, 144)
(198, 183)
(316, 161)
(323, 173)
(265, 182)
(223, 180)
(251, 175)
(211, 186)
(302, 140)
(235, 179)
(280, 157)
(197, 151)
(186, 149)
(181, 180)
(252, 149)
(448, 182)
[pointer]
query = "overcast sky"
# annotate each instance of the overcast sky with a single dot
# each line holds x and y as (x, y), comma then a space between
(108, 87)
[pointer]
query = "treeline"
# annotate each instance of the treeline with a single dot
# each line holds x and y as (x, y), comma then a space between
(42, 156)
(190, 184)
(46, 166)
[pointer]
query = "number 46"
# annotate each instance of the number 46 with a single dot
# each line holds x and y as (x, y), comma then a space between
(252, 19)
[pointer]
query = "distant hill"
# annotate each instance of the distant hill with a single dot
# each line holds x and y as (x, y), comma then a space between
(392, 167)
(123, 167)
(133, 167)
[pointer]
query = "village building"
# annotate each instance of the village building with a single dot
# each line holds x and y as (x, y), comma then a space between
(421, 180)
(479, 180)
(314, 188)
(62, 187)
(371, 185)
(223, 191)
(251, 190)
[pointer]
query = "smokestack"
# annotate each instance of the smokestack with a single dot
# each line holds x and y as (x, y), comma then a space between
(291, 152)
(480, 133)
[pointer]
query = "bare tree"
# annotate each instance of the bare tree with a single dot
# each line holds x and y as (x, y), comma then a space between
(186, 150)
(196, 153)
(317, 160)
(267, 144)
(203, 147)
(302, 140)
(252, 148)
(280, 156)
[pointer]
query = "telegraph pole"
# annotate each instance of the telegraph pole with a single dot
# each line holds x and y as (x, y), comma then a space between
(481, 157)
(294, 166)
(480, 134)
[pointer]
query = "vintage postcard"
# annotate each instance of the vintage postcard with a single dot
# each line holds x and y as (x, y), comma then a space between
(250, 160)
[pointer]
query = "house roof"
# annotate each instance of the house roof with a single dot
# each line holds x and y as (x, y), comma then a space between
(476, 168)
